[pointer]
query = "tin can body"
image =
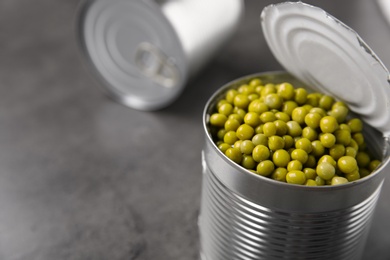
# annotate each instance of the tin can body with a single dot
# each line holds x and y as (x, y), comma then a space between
(246, 216)
(145, 51)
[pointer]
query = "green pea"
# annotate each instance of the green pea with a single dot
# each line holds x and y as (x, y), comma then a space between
(345, 127)
(281, 158)
(253, 96)
(294, 165)
(310, 173)
(337, 151)
(236, 117)
(230, 137)
(325, 170)
(356, 125)
(359, 138)
(313, 120)
(319, 111)
(237, 144)
(363, 159)
(299, 114)
(255, 82)
(310, 182)
(260, 139)
(286, 91)
(275, 142)
(258, 107)
(319, 181)
(269, 129)
(317, 148)
(241, 101)
(218, 119)
(273, 101)
(245, 132)
(223, 147)
(294, 129)
(340, 113)
(265, 168)
(339, 180)
(327, 158)
(234, 155)
(364, 172)
(350, 151)
(309, 133)
(230, 95)
(259, 129)
(300, 155)
(231, 124)
(328, 124)
(282, 116)
(225, 109)
(328, 140)
(268, 89)
(281, 127)
(296, 177)
(311, 161)
(221, 133)
(353, 176)
(304, 144)
(342, 137)
(347, 164)
(248, 162)
(252, 119)
(267, 117)
(313, 99)
(300, 96)
(260, 153)
(289, 106)
(374, 164)
(326, 102)
(279, 174)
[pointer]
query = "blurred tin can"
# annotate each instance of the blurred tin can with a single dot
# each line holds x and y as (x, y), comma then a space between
(145, 51)
(248, 216)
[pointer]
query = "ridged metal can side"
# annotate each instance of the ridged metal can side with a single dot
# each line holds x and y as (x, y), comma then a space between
(247, 216)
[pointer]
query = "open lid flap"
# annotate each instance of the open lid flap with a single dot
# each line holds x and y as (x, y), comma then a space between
(326, 54)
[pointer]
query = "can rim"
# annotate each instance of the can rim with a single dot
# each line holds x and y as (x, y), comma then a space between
(109, 89)
(241, 169)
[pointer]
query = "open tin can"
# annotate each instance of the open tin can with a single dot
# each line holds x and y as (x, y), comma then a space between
(248, 216)
(145, 51)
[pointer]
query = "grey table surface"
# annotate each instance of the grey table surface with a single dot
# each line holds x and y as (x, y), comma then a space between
(83, 177)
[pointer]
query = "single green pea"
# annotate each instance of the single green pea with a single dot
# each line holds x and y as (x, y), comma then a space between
(327, 158)
(288, 141)
(337, 151)
(241, 101)
(248, 162)
(225, 109)
(255, 82)
(230, 95)
(237, 144)
(268, 116)
(374, 164)
(345, 127)
(265, 168)
(259, 89)
(231, 124)
(258, 107)
(353, 176)
(300, 96)
(260, 153)
(281, 127)
(230, 137)
(279, 174)
(275, 142)
(273, 101)
(313, 99)
(247, 147)
(364, 172)
(281, 158)
(354, 144)
(234, 155)
(338, 104)
(309, 133)
(342, 137)
(310, 173)
(223, 147)
(221, 102)
(268, 89)
(221, 133)
(259, 129)
(304, 144)
(245, 132)
(313, 120)
(319, 181)
(340, 113)
(356, 125)
(328, 124)
(347, 164)
(294, 129)
(300, 155)
(311, 182)
(325, 170)
(311, 162)
(282, 116)
(328, 140)
(350, 151)
(337, 180)
(288, 107)
(253, 96)
(326, 102)
(299, 114)
(243, 89)
(294, 165)
(286, 91)
(269, 129)
(317, 148)
(319, 111)
(296, 177)
(252, 119)
(260, 139)
(239, 111)
(359, 138)
(236, 117)
(307, 107)
(218, 120)
(363, 159)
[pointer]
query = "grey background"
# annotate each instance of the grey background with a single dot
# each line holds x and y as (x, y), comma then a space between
(82, 177)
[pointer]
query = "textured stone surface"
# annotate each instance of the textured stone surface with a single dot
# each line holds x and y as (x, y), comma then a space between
(82, 177)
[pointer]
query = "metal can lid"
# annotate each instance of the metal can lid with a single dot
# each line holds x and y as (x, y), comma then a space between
(134, 50)
(325, 53)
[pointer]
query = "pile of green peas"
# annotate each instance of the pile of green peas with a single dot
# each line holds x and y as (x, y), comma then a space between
(291, 135)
